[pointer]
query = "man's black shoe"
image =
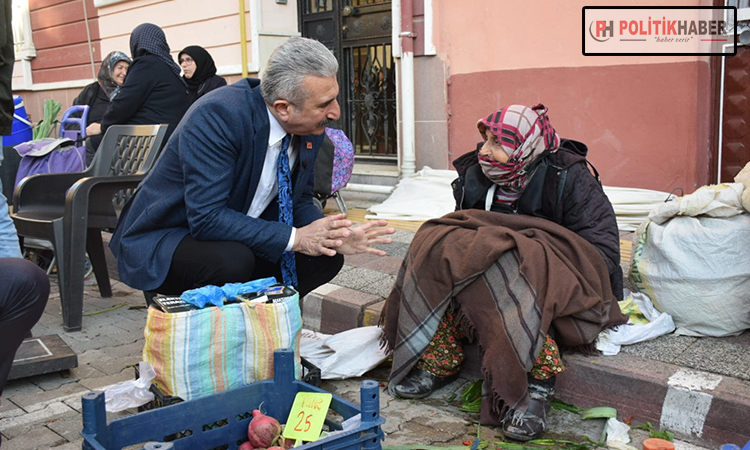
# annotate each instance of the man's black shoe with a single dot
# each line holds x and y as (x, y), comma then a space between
(420, 384)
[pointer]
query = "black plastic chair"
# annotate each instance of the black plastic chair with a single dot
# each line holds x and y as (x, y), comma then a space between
(71, 209)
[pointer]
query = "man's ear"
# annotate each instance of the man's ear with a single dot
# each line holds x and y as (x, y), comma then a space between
(282, 109)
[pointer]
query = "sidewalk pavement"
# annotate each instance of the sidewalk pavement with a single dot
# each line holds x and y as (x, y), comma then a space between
(697, 388)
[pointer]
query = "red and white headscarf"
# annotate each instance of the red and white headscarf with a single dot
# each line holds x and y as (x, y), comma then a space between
(524, 133)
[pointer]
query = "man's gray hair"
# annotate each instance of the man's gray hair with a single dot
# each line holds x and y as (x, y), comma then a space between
(289, 64)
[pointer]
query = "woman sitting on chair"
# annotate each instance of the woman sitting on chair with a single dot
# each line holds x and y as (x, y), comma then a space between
(99, 94)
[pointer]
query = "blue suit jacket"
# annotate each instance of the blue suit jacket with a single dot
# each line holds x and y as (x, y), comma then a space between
(203, 184)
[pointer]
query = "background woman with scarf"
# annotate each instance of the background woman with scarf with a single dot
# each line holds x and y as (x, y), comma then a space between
(154, 92)
(528, 263)
(99, 94)
(199, 72)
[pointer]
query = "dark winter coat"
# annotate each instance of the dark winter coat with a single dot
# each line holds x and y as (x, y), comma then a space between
(152, 94)
(561, 189)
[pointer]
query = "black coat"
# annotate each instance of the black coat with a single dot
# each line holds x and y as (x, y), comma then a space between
(98, 101)
(152, 94)
(580, 206)
(205, 87)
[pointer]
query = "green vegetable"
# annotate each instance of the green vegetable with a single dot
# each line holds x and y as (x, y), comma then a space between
(471, 398)
(654, 433)
(600, 412)
(45, 126)
(561, 405)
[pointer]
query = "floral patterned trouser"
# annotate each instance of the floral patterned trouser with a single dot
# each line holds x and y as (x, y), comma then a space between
(445, 353)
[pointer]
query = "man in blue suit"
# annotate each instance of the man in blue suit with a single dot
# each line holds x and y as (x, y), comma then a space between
(208, 213)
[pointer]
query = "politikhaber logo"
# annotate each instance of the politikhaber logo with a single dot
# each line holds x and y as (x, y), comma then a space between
(622, 30)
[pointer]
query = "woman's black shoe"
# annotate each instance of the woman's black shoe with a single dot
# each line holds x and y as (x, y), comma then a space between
(420, 384)
(525, 426)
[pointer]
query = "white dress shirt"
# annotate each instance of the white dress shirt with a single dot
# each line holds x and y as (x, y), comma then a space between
(268, 187)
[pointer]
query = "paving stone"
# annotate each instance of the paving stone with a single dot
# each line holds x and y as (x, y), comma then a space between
(53, 381)
(34, 402)
(115, 366)
(666, 348)
(101, 382)
(68, 427)
(132, 324)
(403, 236)
(372, 314)
(382, 288)
(357, 278)
(343, 310)
(312, 304)
(20, 388)
(397, 249)
(18, 426)
(386, 264)
(717, 356)
(73, 445)
(85, 371)
(9, 409)
(359, 260)
(129, 349)
(40, 438)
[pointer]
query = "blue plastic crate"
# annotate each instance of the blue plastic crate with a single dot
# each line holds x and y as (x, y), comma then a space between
(221, 420)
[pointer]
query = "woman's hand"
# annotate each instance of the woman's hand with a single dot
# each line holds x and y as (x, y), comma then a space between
(93, 129)
(362, 237)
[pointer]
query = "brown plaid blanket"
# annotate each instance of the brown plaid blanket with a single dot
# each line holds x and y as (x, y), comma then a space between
(512, 278)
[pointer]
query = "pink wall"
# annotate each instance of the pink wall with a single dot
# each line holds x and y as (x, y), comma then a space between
(640, 122)
(647, 120)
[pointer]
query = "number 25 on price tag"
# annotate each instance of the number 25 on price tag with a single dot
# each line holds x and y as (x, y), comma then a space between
(306, 418)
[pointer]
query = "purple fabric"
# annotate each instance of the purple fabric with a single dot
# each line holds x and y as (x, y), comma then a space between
(343, 158)
(61, 160)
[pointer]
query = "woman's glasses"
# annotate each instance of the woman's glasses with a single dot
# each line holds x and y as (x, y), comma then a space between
(186, 60)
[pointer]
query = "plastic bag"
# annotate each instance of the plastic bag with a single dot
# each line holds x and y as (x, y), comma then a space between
(697, 269)
(132, 393)
(719, 200)
(350, 353)
(618, 436)
(216, 295)
(656, 324)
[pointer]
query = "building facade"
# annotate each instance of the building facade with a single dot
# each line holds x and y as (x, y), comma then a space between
(416, 75)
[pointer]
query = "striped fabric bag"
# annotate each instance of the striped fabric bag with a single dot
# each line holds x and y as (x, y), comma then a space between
(205, 351)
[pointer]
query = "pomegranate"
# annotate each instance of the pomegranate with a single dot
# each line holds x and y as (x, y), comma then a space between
(246, 446)
(263, 431)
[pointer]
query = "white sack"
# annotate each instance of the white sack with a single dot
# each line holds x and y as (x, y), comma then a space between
(697, 269)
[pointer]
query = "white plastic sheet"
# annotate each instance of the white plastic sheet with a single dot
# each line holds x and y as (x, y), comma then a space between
(659, 324)
(632, 205)
(426, 195)
(343, 355)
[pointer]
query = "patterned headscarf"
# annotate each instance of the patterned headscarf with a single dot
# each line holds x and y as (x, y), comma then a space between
(524, 133)
(149, 39)
(106, 73)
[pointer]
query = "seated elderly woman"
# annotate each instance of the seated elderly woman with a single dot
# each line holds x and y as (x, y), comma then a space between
(154, 92)
(528, 264)
(99, 94)
(199, 72)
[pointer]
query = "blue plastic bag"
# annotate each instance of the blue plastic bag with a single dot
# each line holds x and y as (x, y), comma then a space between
(216, 295)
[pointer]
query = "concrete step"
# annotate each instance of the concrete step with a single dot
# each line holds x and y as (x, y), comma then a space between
(380, 174)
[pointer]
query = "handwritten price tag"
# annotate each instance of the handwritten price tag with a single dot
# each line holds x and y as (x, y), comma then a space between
(306, 418)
